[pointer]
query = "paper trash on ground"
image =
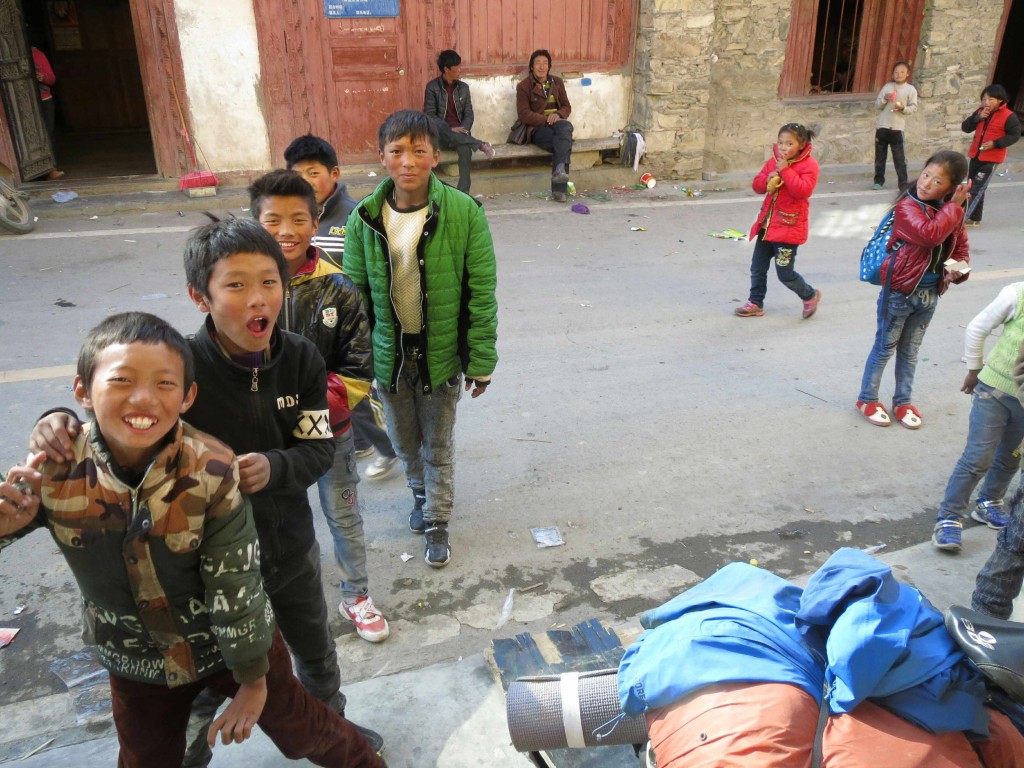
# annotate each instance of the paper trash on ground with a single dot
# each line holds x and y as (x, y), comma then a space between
(547, 537)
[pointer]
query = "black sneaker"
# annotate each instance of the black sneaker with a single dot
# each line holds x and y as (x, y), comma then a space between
(416, 524)
(374, 739)
(437, 552)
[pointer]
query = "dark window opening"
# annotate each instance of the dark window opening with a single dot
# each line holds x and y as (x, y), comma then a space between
(835, 46)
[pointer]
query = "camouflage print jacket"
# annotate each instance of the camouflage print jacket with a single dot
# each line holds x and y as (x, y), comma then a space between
(168, 568)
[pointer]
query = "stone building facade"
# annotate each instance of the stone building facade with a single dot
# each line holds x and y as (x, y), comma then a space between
(707, 74)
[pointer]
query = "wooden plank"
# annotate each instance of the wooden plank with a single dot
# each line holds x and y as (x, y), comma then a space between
(796, 71)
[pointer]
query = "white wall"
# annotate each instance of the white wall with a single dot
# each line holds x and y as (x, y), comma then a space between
(220, 54)
(598, 109)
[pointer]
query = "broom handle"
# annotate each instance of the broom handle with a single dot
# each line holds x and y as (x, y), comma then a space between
(184, 128)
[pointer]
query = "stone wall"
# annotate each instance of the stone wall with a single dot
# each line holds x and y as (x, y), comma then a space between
(707, 77)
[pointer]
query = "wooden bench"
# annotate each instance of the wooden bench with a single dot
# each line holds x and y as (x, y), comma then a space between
(586, 153)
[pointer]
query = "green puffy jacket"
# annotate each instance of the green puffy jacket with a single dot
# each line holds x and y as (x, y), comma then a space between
(459, 276)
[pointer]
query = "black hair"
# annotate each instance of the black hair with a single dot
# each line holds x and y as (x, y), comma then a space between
(220, 239)
(802, 132)
(902, 62)
(407, 122)
(310, 147)
(129, 328)
(539, 52)
(953, 163)
(448, 58)
(996, 91)
(281, 183)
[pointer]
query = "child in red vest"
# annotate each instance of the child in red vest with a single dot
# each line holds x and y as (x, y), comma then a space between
(995, 127)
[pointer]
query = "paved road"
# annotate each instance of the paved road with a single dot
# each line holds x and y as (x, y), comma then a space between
(662, 435)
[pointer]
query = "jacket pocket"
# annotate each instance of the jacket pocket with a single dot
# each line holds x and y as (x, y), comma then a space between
(786, 218)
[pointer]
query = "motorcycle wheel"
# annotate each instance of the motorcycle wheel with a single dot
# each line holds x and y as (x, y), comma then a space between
(15, 215)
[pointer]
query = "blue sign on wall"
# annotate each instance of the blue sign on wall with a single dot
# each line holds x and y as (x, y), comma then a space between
(349, 9)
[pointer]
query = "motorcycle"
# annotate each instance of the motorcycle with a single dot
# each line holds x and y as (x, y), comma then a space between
(15, 213)
(996, 647)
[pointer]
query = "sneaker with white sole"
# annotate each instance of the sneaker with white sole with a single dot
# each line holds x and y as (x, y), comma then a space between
(947, 534)
(416, 524)
(369, 622)
(380, 467)
(362, 453)
(990, 512)
(437, 553)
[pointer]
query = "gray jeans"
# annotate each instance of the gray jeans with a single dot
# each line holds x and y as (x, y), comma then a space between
(339, 501)
(422, 430)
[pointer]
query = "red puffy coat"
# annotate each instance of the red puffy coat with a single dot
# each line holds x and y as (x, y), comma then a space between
(784, 214)
(921, 228)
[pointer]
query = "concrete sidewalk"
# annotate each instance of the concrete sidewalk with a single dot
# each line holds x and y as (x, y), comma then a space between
(452, 715)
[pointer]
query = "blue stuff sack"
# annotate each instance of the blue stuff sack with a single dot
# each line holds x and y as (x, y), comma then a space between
(877, 250)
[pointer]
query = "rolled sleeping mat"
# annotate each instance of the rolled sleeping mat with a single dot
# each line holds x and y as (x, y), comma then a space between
(571, 710)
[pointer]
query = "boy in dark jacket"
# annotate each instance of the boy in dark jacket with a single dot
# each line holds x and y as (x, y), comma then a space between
(324, 306)
(421, 253)
(316, 161)
(149, 515)
(264, 393)
(448, 102)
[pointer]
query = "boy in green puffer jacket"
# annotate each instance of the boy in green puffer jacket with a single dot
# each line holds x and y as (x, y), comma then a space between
(421, 253)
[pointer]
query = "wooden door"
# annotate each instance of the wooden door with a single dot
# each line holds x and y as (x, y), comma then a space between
(337, 78)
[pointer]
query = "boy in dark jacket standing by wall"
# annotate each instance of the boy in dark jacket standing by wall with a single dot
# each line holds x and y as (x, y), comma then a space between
(421, 252)
(447, 100)
(323, 305)
(148, 513)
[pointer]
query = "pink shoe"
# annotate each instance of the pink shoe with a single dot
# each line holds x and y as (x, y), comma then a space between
(750, 309)
(487, 149)
(370, 623)
(811, 305)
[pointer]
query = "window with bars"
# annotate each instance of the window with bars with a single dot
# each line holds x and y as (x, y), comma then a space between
(847, 46)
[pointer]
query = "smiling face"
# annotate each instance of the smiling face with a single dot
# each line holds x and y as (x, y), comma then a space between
(789, 145)
(137, 393)
(934, 183)
(292, 224)
(244, 298)
(322, 179)
(409, 162)
(541, 66)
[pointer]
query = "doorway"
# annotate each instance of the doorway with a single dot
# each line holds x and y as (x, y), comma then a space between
(102, 126)
(1009, 69)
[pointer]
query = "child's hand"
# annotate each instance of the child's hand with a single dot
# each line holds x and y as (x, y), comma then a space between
(253, 472)
(961, 192)
(53, 434)
(19, 495)
(479, 387)
(970, 382)
(237, 720)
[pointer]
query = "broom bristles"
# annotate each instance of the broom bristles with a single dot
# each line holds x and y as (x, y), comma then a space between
(198, 179)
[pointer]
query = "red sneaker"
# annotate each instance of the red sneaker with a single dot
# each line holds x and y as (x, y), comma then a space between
(811, 305)
(370, 623)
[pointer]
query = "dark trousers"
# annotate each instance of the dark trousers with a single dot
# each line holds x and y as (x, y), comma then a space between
(784, 255)
(978, 172)
(463, 144)
(884, 139)
(367, 424)
(296, 593)
(151, 719)
(999, 581)
(556, 139)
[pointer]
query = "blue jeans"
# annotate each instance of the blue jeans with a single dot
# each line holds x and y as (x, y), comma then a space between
(784, 255)
(902, 322)
(995, 432)
(340, 504)
(1000, 579)
(422, 430)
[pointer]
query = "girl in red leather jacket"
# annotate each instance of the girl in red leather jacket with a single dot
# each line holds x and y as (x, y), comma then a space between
(995, 127)
(933, 252)
(786, 181)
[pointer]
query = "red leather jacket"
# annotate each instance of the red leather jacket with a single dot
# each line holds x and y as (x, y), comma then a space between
(784, 214)
(922, 227)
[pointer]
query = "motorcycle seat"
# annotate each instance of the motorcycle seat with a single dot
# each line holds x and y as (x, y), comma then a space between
(995, 646)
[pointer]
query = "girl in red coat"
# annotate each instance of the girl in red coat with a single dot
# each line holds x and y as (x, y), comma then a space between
(929, 224)
(787, 182)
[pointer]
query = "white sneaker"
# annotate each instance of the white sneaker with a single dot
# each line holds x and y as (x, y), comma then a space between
(380, 467)
(370, 623)
(363, 453)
